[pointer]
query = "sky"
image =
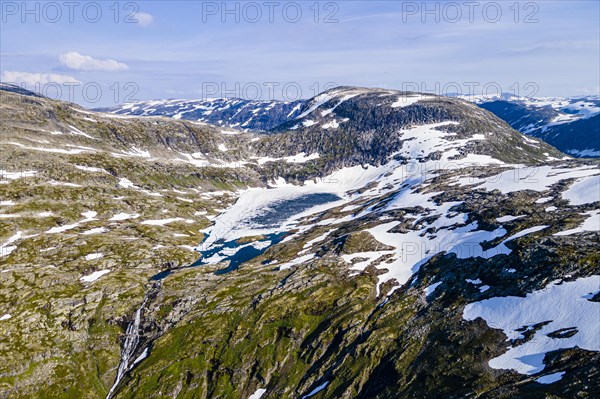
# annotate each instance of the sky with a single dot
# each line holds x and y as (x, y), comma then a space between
(104, 53)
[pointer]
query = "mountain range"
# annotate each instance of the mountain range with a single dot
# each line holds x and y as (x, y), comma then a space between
(364, 243)
(570, 124)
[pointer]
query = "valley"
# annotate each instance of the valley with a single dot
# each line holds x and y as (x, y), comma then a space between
(367, 245)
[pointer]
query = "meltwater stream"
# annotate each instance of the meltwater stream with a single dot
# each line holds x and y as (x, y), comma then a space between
(268, 221)
(129, 345)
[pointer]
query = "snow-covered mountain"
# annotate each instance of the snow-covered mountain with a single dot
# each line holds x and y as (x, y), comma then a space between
(570, 124)
(228, 112)
(378, 244)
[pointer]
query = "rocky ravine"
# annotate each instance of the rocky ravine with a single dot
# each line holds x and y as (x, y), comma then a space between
(381, 243)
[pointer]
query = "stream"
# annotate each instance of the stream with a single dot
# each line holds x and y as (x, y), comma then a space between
(129, 346)
(265, 222)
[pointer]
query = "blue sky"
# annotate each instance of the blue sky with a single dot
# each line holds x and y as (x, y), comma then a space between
(193, 49)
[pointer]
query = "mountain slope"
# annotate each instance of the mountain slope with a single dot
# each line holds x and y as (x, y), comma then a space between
(373, 259)
(229, 112)
(571, 125)
(366, 126)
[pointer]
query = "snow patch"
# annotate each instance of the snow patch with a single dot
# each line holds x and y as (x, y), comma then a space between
(583, 191)
(161, 222)
(94, 276)
(509, 218)
(431, 289)
(94, 256)
(258, 393)
(564, 306)
(591, 223)
(124, 216)
(405, 101)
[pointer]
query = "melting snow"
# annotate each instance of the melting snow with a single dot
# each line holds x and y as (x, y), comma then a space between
(405, 101)
(431, 289)
(538, 178)
(6, 316)
(334, 124)
(97, 230)
(296, 261)
(298, 158)
(564, 306)
(126, 183)
(161, 222)
(91, 169)
(123, 216)
(588, 152)
(54, 150)
(583, 191)
(509, 218)
(258, 393)
(142, 356)
(93, 256)
(6, 248)
(61, 229)
(591, 223)
(17, 175)
(135, 152)
(94, 276)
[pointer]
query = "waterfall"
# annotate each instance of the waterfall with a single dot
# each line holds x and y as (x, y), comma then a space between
(129, 347)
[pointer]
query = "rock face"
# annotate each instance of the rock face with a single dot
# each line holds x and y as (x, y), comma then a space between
(385, 245)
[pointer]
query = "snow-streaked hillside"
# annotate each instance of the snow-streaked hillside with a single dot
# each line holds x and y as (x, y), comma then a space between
(378, 242)
(570, 124)
(228, 112)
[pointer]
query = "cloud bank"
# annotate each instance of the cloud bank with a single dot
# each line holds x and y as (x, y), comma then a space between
(79, 62)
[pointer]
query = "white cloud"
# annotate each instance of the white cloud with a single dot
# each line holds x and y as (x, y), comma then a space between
(31, 79)
(143, 18)
(80, 62)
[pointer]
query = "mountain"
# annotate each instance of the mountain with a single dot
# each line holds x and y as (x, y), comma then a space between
(380, 244)
(228, 112)
(11, 88)
(570, 124)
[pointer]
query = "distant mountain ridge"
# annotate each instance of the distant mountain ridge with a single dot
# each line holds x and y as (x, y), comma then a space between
(227, 112)
(570, 124)
(370, 247)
